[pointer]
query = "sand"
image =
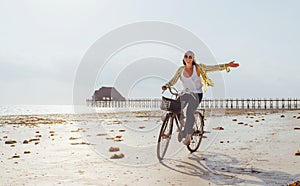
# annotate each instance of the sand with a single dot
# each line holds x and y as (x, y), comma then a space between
(254, 148)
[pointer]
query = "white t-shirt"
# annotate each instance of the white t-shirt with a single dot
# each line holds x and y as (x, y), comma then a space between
(193, 83)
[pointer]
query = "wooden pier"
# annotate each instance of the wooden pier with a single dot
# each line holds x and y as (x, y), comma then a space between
(284, 103)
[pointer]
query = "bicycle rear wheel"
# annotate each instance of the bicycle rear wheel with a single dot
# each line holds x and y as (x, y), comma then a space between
(164, 136)
(198, 132)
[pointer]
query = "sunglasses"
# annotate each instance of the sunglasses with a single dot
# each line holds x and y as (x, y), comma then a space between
(186, 56)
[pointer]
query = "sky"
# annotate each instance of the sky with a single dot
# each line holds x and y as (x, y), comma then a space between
(43, 43)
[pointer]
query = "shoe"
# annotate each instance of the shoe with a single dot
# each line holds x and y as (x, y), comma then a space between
(186, 142)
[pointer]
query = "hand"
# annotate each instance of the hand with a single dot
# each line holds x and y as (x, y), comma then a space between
(164, 87)
(233, 64)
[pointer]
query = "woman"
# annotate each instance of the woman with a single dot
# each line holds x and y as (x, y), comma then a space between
(194, 79)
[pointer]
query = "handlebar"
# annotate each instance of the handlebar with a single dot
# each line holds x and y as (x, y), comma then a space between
(171, 91)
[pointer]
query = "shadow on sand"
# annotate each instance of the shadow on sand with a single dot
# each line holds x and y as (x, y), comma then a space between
(222, 169)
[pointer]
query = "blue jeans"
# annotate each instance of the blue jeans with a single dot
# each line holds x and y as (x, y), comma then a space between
(192, 101)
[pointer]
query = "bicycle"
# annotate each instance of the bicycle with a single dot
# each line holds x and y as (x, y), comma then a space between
(173, 107)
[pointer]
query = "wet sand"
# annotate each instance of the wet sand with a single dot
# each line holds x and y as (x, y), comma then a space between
(254, 148)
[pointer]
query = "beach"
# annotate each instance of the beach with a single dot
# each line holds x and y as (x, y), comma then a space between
(240, 148)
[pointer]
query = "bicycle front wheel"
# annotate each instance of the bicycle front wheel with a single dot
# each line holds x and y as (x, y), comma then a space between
(198, 132)
(164, 136)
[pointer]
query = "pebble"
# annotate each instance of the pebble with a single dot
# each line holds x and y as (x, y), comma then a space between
(15, 156)
(141, 127)
(121, 130)
(10, 142)
(114, 149)
(297, 153)
(102, 134)
(27, 152)
(73, 138)
(240, 123)
(234, 119)
(256, 120)
(117, 156)
(218, 128)
(25, 142)
(282, 116)
(296, 128)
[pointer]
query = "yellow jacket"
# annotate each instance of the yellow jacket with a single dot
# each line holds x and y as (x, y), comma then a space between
(203, 72)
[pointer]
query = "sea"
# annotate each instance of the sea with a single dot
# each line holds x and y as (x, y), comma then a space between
(6, 110)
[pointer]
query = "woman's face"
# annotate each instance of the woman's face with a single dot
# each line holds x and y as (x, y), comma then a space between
(188, 58)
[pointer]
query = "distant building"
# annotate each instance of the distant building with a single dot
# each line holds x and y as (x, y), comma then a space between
(107, 94)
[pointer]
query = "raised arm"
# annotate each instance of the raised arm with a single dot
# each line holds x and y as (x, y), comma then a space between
(214, 68)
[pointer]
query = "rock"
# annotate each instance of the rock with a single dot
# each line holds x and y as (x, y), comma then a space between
(51, 132)
(82, 143)
(25, 142)
(12, 146)
(114, 149)
(218, 128)
(296, 128)
(234, 119)
(34, 139)
(37, 132)
(298, 117)
(117, 156)
(250, 125)
(141, 127)
(5, 137)
(282, 116)
(240, 123)
(121, 130)
(257, 120)
(36, 143)
(10, 142)
(221, 141)
(38, 136)
(27, 152)
(73, 138)
(119, 136)
(102, 134)
(110, 138)
(297, 153)
(15, 156)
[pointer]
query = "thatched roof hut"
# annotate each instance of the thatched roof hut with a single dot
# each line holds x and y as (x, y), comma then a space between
(107, 94)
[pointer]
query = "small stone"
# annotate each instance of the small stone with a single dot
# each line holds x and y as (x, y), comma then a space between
(25, 142)
(298, 117)
(5, 137)
(27, 152)
(102, 134)
(117, 156)
(234, 119)
(240, 123)
(121, 130)
(296, 128)
(297, 153)
(15, 156)
(52, 134)
(256, 120)
(114, 149)
(282, 116)
(221, 141)
(141, 127)
(37, 132)
(218, 128)
(73, 138)
(36, 143)
(250, 125)
(10, 142)
(38, 136)
(34, 139)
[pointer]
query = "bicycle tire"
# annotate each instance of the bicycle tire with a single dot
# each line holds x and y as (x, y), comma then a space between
(164, 136)
(198, 132)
